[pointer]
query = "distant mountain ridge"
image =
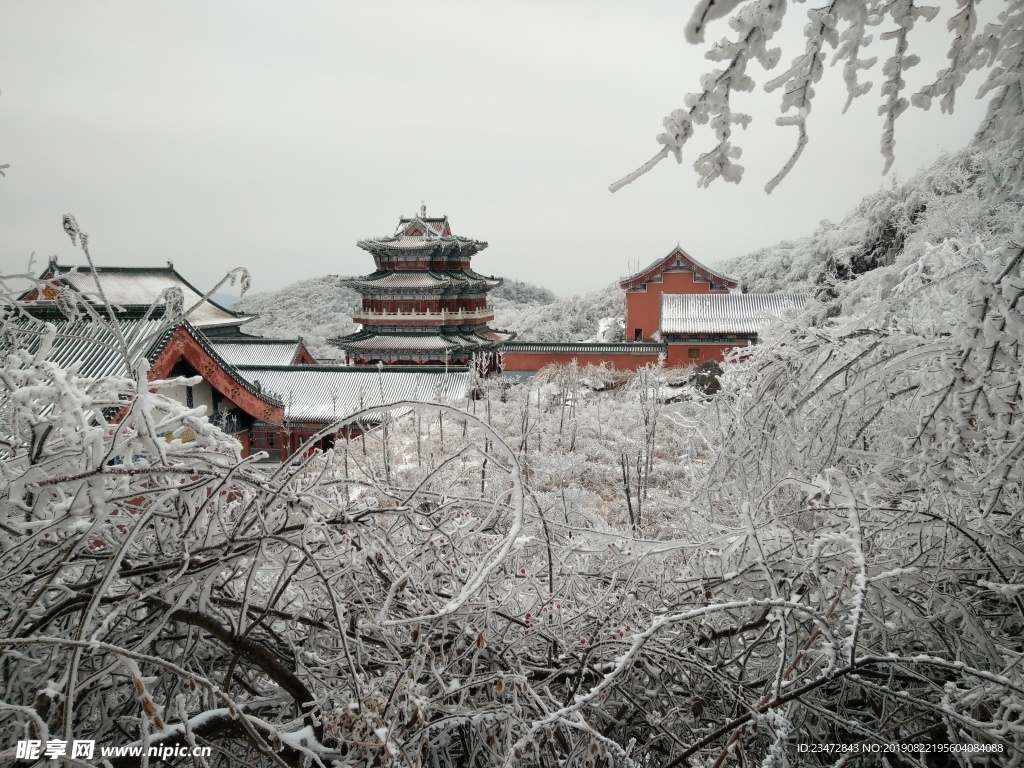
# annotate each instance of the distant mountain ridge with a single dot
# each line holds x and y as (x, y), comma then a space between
(321, 308)
(316, 309)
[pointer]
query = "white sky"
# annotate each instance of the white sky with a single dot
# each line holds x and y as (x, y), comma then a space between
(275, 135)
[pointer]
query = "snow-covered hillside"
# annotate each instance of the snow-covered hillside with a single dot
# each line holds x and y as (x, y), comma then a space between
(953, 197)
(577, 318)
(316, 309)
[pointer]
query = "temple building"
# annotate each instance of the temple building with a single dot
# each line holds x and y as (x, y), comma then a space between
(676, 273)
(113, 342)
(678, 313)
(269, 394)
(700, 314)
(698, 328)
(424, 304)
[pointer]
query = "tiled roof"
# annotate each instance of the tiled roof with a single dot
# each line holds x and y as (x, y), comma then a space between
(437, 224)
(436, 235)
(735, 313)
(583, 348)
(95, 351)
(419, 279)
(94, 347)
(418, 243)
(133, 286)
(676, 259)
(415, 342)
(320, 393)
(458, 280)
(412, 342)
(241, 352)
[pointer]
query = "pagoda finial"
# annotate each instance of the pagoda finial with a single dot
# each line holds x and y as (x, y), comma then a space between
(423, 210)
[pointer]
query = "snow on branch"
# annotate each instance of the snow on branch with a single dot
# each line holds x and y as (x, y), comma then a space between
(842, 25)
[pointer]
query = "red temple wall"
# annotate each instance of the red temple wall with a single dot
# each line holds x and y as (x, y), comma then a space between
(679, 353)
(534, 361)
(643, 308)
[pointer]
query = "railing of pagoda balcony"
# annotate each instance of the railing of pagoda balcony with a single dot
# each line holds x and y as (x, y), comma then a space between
(443, 317)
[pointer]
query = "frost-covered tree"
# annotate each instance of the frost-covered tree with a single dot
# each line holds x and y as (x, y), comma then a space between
(466, 587)
(872, 468)
(957, 196)
(588, 317)
(846, 28)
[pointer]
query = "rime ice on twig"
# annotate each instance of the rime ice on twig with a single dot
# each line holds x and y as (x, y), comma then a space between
(841, 25)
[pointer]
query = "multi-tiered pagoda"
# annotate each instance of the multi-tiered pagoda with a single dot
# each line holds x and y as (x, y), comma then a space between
(424, 305)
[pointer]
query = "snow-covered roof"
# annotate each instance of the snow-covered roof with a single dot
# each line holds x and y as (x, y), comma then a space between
(677, 259)
(446, 245)
(418, 279)
(438, 225)
(320, 393)
(423, 233)
(731, 313)
(461, 280)
(418, 342)
(94, 348)
(141, 286)
(242, 352)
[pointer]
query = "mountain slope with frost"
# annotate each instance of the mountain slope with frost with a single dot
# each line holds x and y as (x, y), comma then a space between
(955, 196)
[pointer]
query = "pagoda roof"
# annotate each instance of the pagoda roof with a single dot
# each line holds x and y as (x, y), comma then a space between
(415, 225)
(129, 288)
(420, 279)
(371, 341)
(422, 233)
(735, 313)
(677, 259)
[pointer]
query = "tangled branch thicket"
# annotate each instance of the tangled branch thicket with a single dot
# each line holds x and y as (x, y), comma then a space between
(459, 589)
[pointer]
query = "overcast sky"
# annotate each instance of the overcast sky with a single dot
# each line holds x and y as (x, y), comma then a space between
(275, 135)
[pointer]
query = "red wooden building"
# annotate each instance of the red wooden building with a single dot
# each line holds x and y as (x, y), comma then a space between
(698, 328)
(172, 346)
(699, 313)
(678, 312)
(676, 273)
(424, 304)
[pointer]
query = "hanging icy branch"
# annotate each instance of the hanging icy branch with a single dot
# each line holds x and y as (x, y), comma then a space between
(1004, 121)
(755, 26)
(904, 13)
(806, 70)
(842, 24)
(707, 11)
(948, 80)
